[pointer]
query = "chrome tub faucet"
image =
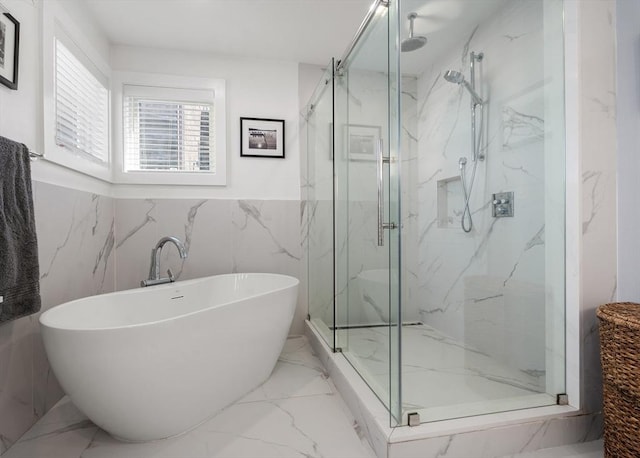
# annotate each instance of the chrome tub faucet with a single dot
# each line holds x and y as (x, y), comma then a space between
(154, 270)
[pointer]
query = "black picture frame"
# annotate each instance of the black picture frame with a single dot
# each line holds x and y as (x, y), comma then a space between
(9, 50)
(262, 137)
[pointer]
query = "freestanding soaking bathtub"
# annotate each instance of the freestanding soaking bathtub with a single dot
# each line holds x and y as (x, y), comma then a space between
(154, 362)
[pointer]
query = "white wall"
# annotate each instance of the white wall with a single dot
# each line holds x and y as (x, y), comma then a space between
(19, 109)
(254, 88)
(628, 120)
(18, 121)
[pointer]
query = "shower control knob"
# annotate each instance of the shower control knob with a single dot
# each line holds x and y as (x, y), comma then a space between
(502, 205)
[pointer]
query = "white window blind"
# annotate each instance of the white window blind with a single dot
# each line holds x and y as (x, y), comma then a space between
(82, 107)
(164, 132)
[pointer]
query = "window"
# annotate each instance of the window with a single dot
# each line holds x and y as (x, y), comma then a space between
(171, 129)
(81, 107)
(167, 135)
(76, 99)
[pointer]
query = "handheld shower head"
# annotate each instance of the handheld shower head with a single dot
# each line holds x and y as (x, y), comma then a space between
(455, 77)
(412, 42)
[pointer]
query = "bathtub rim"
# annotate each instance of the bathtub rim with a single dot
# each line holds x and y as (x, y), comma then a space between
(42, 319)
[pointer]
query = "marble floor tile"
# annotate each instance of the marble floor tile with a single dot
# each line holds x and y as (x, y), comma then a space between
(462, 380)
(298, 373)
(592, 449)
(296, 413)
(62, 432)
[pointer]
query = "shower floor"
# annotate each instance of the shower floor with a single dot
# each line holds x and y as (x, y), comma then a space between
(441, 377)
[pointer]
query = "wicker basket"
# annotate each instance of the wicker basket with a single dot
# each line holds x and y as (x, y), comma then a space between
(620, 354)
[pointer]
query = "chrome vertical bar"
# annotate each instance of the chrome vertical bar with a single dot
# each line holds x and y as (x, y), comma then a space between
(472, 77)
(380, 177)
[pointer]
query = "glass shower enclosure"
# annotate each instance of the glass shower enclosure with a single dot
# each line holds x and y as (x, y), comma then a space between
(435, 171)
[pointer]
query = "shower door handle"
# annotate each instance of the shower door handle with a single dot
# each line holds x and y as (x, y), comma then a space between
(380, 161)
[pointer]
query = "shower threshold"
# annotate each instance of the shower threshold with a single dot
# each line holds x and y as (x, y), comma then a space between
(341, 327)
(480, 436)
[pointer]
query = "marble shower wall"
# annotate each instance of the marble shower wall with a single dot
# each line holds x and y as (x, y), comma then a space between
(596, 261)
(75, 244)
(487, 288)
(221, 236)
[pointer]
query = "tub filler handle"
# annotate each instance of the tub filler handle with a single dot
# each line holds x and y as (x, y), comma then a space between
(154, 270)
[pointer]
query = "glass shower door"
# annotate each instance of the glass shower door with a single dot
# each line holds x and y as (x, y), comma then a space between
(319, 207)
(366, 209)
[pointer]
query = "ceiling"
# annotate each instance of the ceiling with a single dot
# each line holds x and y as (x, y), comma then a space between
(308, 31)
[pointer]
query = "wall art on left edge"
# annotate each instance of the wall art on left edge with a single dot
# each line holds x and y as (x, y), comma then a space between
(9, 41)
(262, 137)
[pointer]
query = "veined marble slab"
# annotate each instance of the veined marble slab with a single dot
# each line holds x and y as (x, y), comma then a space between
(295, 413)
(442, 377)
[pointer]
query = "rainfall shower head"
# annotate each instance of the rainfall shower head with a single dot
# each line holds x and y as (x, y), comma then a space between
(455, 77)
(412, 43)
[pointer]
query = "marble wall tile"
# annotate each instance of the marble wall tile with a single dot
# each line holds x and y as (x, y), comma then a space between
(202, 225)
(76, 255)
(266, 238)
(221, 236)
(597, 141)
(75, 234)
(16, 380)
(77, 259)
(509, 253)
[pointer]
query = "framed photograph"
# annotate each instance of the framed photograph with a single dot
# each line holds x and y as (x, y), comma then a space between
(362, 142)
(9, 40)
(262, 137)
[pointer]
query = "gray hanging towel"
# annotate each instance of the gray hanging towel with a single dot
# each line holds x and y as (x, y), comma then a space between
(19, 273)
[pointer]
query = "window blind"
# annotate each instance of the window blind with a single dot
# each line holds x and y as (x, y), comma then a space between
(168, 135)
(82, 107)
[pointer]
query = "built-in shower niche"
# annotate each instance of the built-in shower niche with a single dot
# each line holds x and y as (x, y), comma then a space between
(450, 202)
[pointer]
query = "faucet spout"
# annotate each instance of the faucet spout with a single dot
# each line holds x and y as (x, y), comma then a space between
(154, 270)
(176, 241)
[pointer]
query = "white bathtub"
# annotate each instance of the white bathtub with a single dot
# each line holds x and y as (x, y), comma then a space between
(154, 362)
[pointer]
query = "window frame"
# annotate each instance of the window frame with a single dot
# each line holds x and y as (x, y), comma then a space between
(169, 83)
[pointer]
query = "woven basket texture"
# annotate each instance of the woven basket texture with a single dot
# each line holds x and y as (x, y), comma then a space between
(620, 355)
